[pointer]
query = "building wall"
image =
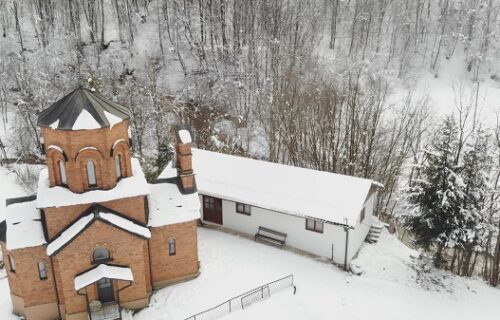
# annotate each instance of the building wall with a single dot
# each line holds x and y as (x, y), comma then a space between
(31, 295)
(184, 264)
(329, 244)
(361, 229)
(58, 218)
(73, 141)
(76, 257)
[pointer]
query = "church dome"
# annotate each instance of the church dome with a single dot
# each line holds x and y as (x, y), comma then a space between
(82, 109)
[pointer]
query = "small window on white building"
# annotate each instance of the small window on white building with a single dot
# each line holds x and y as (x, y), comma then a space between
(243, 208)
(62, 173)
(171, 247)
(42, 271)
(118, 166)
(91, 177)
(12, 264)
(314, 225)
(362, 215)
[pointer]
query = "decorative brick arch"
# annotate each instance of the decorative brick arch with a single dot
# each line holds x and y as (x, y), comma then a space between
(84, 155)
(121, 147)
(55, 156)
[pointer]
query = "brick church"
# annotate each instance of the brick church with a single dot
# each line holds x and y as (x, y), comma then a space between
(97, 237)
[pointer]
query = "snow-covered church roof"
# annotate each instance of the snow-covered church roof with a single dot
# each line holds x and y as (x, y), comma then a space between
(82, 109)
(23, 224)
(297, 191)
(58, 196)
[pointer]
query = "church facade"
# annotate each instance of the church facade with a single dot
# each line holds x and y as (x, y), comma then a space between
(97, 237)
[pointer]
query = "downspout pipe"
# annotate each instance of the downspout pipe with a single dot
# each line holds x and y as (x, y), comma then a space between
(346, 229)
(55, 287)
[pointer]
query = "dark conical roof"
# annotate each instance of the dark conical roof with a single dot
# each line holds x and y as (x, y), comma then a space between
(82, 109)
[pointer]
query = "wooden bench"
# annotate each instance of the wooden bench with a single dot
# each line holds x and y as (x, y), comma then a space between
(271, 236)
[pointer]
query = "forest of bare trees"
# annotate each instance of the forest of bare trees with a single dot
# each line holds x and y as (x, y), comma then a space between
(303, 82)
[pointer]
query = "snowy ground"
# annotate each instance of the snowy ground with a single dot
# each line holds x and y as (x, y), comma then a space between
(389, 288)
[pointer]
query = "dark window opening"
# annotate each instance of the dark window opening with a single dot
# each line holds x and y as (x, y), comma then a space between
(118, 166)
(243, 208)
(101, 255)
(12, 264)
(314, 225)
(62, 173)
(171, 247)
(91, 176)
(42, 271)
(209, 203)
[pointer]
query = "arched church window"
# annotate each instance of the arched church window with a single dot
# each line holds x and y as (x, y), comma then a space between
(62, 173)
(91, 176)
(101, 255)
(118, 166)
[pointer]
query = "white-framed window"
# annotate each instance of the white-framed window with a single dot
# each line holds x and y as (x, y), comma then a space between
(243, 208)
(171, 247)
(362, 215)
(314, 225)
(62, 173)
(91, 177)
(42, 270)
(208, 202)
(12, 264)
(118, 166)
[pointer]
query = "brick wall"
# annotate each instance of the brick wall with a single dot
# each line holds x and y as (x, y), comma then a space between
(73, 141)
(25, 282)
(58, 218)
(126, 249)
(184, 262)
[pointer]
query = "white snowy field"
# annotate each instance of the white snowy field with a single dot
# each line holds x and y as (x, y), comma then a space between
(389, 288)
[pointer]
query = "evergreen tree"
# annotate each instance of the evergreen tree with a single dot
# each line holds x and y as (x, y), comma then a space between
(164, 154)
(436, 198)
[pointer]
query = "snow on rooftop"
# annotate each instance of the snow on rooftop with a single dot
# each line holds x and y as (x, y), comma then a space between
(103, 271)
(167, 205)
(125, 224)
(24, 227)
(185, 136)
(55, 124)
(112, 119)
(298, 191)
(69, 234)
(57, 196)
(85, 121)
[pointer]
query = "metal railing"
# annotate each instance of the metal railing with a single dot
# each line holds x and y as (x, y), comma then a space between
(109, 311)
(245, 299)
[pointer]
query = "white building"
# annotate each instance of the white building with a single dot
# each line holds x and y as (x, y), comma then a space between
(323, 213)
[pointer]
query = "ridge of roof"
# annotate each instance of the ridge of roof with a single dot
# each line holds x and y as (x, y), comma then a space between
(75, 108)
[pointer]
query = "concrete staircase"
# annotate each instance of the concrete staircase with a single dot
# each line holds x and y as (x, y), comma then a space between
(374, 233)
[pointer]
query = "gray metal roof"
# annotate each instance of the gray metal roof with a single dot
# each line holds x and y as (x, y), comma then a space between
(64, 113)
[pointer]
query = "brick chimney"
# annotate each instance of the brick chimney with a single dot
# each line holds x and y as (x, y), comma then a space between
(183, 139)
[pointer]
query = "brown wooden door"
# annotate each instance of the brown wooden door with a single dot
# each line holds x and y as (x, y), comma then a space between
(212, 209)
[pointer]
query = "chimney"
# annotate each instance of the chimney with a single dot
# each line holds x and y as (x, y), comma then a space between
(183, 162)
